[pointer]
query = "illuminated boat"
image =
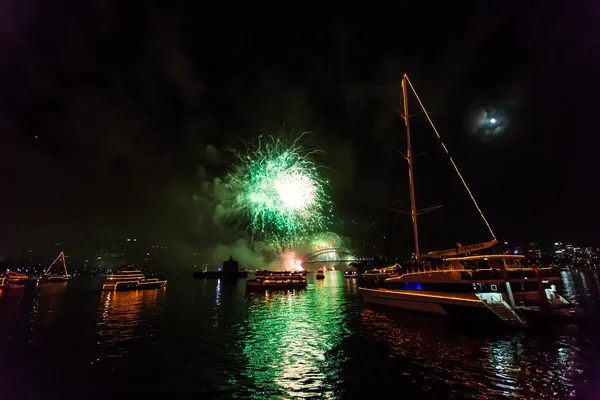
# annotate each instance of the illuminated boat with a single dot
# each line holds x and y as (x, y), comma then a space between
(276, 280)
(131, 279)
(4, 283)
(320, 274)
(376, 277)
(495, 287)
(51, 277)
(350, 273)
(16, 278)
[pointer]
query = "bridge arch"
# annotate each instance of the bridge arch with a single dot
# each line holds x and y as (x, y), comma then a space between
(342, 255)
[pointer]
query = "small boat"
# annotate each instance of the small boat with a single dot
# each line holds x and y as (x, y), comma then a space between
(320, 274)
(16, 278)
(50, 277)
(350, 273)
(276, 280)
(131, 279)
(376, 277)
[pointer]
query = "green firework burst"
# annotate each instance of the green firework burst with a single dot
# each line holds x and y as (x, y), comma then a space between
(277, 186)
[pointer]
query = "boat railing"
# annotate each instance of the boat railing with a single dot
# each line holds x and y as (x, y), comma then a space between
(482, 273)
(558, 301)
(504, 311)
(467, 274)
(283, 280)
(528, 272)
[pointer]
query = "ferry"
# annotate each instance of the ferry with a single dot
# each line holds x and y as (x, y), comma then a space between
(276, 280)
(16, 278)
(130, 279)
(51, 277)
(320, 274)
(501, 288)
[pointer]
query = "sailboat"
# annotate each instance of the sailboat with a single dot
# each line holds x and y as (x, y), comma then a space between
(497, 287)
(50, 277)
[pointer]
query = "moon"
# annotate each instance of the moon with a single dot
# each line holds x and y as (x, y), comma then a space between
(486, 121)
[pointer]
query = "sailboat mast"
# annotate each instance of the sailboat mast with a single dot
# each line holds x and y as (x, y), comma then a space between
(64, 263)
(53, 262)
(409, 159)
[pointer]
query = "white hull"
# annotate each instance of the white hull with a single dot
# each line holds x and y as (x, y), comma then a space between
(420, 302)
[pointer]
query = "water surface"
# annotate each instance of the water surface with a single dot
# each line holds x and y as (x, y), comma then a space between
(209, 339)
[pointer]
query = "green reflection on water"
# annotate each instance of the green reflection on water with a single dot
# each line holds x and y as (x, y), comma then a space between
(291, 339)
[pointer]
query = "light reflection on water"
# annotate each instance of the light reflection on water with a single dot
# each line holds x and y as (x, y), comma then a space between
(291, 339)
(210, 339)
(569, 289)
(123, 312)
(507, 366)
(581, 288)
(47, 301)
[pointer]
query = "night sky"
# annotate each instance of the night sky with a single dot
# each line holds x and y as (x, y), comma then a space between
(113, 115)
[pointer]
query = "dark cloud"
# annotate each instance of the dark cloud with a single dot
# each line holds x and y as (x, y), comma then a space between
(178, 69)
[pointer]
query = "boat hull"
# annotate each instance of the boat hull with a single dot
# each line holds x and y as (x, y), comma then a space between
(254, 286)
(425, 303)
(19, 282)
(464, 308)
(54, 279)
(553, 315)
(124, 286)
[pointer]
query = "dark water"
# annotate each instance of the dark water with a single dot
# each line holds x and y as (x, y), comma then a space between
(208, 339)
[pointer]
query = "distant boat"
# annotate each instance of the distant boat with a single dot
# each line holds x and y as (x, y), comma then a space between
(131, 279)
(320, 274)
(276, 280)
(376, 277)
(231, 270)
(50, 277)
(15, 278)
(350, 273)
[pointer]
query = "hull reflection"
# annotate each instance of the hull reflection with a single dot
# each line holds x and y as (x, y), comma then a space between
(123, 311)
(47, 301)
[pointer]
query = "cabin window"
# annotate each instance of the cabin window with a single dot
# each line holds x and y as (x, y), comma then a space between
(494, 288)
(470, 264)
(513, 263)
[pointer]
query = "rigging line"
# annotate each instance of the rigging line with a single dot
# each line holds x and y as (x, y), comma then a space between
(451, 160)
